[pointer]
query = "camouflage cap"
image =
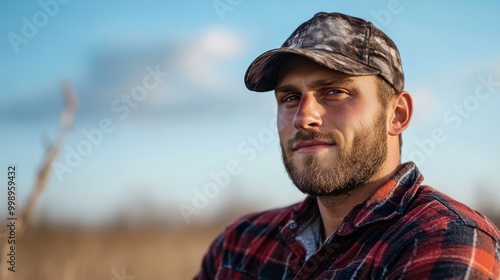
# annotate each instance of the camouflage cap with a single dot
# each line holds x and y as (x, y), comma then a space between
(339, 42)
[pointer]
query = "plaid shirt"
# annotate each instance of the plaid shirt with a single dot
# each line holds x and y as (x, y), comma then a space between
(404, 231)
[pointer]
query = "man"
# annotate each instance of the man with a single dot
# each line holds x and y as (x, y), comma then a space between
(342, 107)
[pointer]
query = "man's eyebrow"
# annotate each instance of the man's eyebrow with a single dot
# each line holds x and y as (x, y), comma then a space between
(286, 88)
(329, 82)
(314, 84)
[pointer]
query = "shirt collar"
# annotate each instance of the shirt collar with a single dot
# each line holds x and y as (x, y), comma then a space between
(389, 201)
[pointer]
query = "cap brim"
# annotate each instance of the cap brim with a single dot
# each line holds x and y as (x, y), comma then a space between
(262, 74)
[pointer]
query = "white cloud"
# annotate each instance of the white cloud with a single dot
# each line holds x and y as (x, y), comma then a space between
(204, 60)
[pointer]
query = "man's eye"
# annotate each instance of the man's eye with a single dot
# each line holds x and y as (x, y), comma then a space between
(334, 91)
(290, 98)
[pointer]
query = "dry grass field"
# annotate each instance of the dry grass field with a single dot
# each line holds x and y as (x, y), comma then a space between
(57, 253)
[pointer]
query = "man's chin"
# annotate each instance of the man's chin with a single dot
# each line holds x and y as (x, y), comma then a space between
(333, 192)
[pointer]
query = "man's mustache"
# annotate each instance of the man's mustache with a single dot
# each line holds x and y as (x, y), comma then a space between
(307, 135)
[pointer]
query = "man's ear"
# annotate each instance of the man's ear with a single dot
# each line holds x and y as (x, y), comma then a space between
(401, 111)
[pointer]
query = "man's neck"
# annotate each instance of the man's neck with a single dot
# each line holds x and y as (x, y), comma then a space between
(333, 209)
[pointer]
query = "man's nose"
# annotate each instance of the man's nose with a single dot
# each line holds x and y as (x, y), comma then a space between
(308, 113)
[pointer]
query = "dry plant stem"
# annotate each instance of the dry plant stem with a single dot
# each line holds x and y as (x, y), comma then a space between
(66, 121)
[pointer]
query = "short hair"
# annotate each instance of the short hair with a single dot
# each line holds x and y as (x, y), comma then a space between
(385, 93)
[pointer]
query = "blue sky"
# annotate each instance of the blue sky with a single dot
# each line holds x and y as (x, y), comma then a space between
(199, 117)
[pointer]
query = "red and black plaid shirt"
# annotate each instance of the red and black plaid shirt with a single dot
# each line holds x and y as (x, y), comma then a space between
(404, 231)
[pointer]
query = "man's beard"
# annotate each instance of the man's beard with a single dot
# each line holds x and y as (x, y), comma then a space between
(352, 167)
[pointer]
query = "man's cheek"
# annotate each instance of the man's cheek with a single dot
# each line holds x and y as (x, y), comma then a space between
(284, 125)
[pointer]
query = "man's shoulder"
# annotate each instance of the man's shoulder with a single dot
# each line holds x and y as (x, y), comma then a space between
(438, 211)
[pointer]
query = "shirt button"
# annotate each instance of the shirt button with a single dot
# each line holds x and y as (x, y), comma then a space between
(293, 225)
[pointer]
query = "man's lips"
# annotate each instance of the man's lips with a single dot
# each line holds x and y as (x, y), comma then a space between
(311, 146)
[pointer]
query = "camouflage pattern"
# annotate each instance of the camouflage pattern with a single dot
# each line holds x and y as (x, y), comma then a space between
(337, 41)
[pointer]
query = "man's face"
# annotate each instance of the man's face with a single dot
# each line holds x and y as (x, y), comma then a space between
(332, 127)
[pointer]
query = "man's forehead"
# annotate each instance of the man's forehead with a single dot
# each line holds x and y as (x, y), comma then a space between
(295, 60)
(297, 66)
(297, 63)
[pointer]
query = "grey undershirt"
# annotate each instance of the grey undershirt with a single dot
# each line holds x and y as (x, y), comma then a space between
(310, 237)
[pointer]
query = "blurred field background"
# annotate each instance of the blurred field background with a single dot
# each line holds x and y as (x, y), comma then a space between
(167, 145)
